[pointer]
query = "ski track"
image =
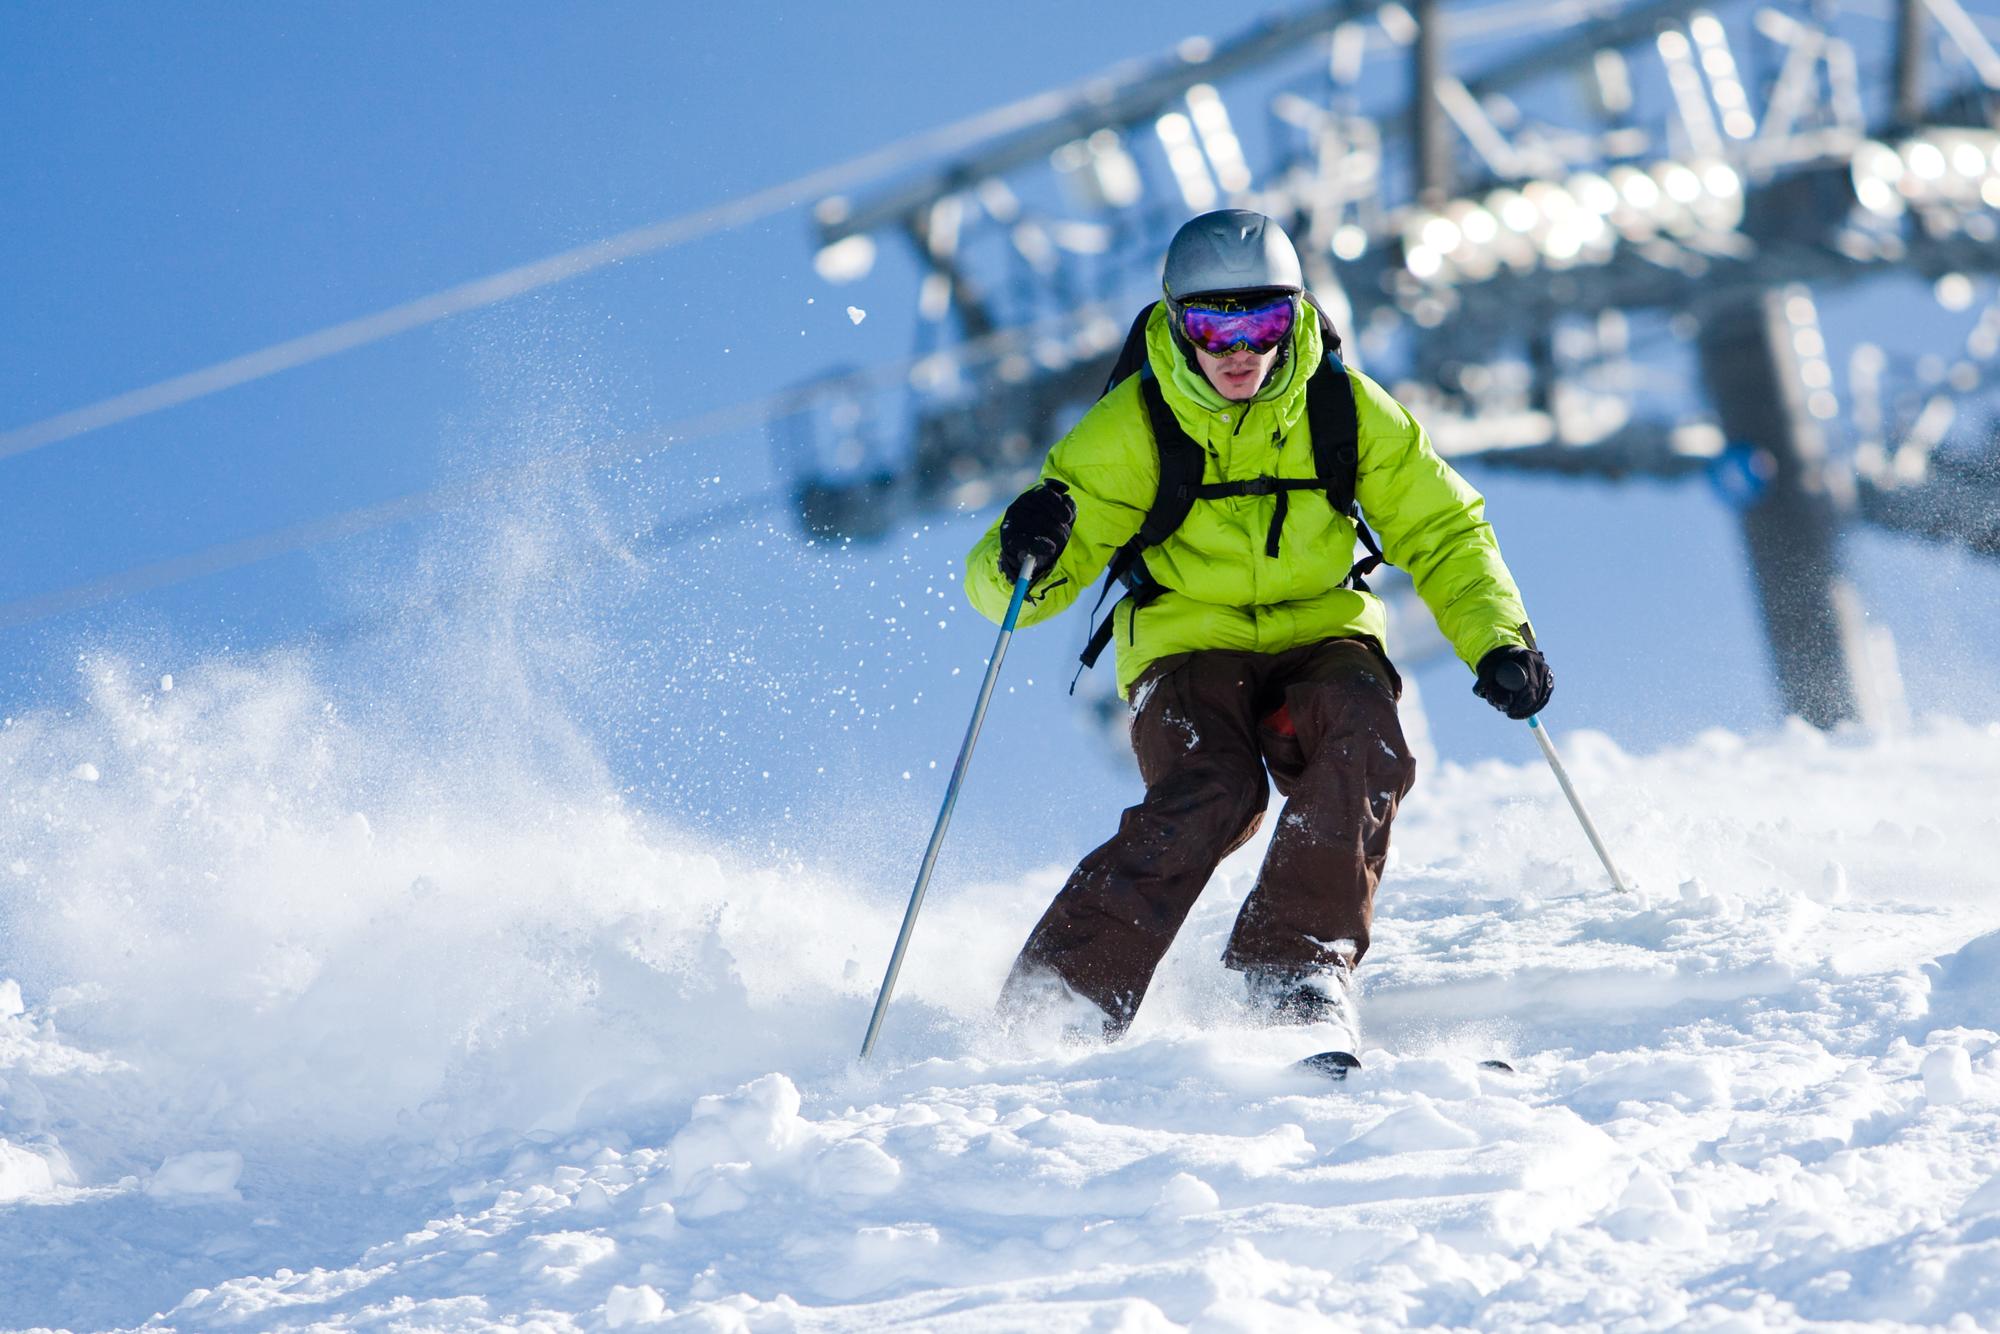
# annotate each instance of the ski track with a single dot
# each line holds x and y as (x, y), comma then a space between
(538, 1064)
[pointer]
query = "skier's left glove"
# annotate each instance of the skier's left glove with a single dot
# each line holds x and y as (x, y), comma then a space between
(1515, 680)
(1037, 524)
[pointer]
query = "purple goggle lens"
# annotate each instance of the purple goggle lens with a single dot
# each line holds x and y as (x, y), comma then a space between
(1217, 331)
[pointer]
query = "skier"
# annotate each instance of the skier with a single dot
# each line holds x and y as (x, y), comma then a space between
(1246, 645)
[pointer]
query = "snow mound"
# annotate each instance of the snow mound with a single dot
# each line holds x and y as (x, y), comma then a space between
(317, 1024)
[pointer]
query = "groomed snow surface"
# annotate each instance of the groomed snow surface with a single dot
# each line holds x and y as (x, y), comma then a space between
(306, 1026)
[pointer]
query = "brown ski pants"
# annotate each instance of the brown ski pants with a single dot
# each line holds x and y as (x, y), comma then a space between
(1206, 727)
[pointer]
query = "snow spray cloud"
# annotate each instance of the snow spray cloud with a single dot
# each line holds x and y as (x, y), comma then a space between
(396, 885)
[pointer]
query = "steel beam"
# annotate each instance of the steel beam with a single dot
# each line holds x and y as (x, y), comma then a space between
(1093, 107)
(1792, 530)
(1907, 92)
(1430, 127)
(1637, 24)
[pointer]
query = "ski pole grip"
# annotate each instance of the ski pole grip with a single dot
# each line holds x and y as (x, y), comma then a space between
(1510, 676)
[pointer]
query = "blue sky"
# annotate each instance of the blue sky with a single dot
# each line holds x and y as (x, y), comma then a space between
(202, 181)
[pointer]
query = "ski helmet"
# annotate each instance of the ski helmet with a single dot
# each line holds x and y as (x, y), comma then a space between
(1230, 250)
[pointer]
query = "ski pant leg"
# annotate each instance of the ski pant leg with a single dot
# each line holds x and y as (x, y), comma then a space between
(1343, 773)
(1194, 733)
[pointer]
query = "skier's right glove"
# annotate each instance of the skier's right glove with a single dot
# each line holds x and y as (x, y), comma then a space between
(1037, 524)
(1515, 680)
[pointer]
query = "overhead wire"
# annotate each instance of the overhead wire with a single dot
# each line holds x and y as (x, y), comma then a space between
(502, 286)
(359, 519)
(621, 449)
(652, 238)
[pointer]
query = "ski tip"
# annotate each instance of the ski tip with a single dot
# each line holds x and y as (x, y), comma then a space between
(1497, 1065)
(1332, 1064)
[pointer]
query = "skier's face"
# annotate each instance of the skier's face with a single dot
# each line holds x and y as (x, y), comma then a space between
(1238, 376)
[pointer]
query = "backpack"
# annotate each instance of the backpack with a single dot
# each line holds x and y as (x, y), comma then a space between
(1330, 415)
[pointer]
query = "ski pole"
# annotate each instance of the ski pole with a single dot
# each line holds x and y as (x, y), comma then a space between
(1021, 583)
(1512, 677)
(1562, 777)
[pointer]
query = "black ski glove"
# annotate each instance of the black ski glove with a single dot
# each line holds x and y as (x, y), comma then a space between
(1515, 680)
(1037, 524)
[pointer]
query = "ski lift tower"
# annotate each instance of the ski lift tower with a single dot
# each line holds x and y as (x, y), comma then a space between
(1544, 189)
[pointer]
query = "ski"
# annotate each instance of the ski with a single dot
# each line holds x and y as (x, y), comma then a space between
(1336, 1064)
(1332, 1064)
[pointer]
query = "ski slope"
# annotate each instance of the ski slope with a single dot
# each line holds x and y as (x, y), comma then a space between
(305, 1026)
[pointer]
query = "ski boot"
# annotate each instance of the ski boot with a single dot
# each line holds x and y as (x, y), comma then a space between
(1323, 996)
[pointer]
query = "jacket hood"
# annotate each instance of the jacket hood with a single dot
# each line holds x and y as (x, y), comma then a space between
(1188, 390)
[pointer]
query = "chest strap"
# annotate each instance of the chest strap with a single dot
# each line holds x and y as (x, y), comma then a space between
(1281, 487)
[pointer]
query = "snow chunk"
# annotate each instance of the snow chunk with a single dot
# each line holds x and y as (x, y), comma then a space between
(1185, 1195)
(208, 1175)
(731, 1137)
(10, 999)
(1650, 1213)
(563, 1256)
(1985, 1200)
(1832, 885)
(760, 1121)
(854, 1167)
(1278, 1148)
(715, 1193)
(85, 772)
(857, 314)
(25, 1174)
(642, 1305)
(656, 1220)
(1415, 1128)
(1948, 1075)
(1964, 991)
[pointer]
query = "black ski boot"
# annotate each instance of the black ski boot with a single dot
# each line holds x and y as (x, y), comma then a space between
(1320, 996)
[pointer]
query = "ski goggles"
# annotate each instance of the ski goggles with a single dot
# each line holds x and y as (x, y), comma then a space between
(1219, 330)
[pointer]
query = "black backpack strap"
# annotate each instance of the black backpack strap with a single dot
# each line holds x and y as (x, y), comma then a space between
(1329, 336)
(1141, 588)
(1281, 487)
(1100, 639)
(1132, 356)
(1336, 441)
(1336, 434)
(1181, 466)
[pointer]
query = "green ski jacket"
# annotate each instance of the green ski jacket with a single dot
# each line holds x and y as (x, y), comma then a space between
(1225, 592)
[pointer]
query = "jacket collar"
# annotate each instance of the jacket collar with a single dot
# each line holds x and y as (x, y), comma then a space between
(1193, 398)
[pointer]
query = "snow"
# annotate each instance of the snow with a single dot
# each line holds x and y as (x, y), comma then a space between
(1947, 1074)
(310, 1023)
(198, 1175)
(25, 1174)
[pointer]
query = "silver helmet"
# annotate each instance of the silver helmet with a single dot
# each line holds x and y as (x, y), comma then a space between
(1230, 250)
